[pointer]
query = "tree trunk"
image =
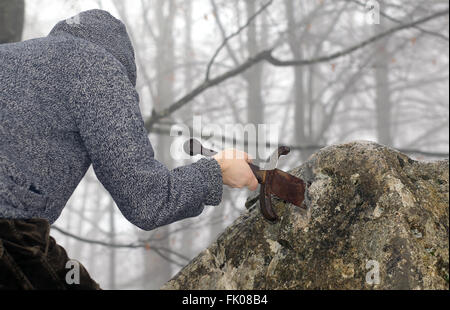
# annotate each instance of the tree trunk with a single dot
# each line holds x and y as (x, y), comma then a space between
(12, 17)
(255, 104)
(112, 250)
(383, 104)
(373, 219)
(187, 236)
(300, 102)
(157, 268)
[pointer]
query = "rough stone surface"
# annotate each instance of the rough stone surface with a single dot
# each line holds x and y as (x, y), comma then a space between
(367, 205)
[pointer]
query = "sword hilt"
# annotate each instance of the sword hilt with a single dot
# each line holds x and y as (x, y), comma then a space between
(194, 147)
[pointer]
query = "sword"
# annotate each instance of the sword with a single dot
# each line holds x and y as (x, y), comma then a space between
(273, 181)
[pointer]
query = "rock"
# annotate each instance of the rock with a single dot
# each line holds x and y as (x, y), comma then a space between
(374, 219)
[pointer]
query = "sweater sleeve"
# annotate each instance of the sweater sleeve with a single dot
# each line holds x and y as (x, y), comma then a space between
(106, 112)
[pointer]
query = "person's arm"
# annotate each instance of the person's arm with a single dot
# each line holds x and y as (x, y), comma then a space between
(106, 112)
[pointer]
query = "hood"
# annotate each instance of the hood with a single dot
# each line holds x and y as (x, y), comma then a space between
(102, 29)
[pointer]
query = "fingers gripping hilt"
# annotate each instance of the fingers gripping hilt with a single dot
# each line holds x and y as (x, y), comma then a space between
(194, 147)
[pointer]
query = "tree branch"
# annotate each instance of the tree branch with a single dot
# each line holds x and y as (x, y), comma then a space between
(350, 50)
(267, 56)
(156, 116)
(436, 34)
(222, 32)
(228, 38)
(158, 250)
(312, 147)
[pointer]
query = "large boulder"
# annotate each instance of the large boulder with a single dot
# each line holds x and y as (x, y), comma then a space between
(374, 219)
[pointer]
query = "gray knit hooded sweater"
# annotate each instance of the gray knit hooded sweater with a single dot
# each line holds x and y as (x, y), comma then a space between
(67, 101)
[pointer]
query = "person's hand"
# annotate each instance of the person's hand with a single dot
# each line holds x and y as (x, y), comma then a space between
(236, 172)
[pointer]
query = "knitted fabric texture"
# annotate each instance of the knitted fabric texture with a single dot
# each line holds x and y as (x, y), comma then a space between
(67, 101)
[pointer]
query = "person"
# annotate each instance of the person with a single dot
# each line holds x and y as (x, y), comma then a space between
(67, 101)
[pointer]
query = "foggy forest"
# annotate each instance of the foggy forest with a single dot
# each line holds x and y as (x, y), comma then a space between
(323, 72)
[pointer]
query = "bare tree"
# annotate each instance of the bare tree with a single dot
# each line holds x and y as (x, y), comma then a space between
(12, 17)
(157, 269)
(255, 103)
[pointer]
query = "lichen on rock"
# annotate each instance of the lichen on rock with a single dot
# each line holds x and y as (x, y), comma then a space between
(373, 219)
